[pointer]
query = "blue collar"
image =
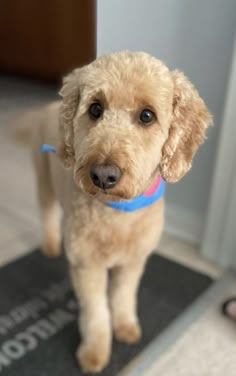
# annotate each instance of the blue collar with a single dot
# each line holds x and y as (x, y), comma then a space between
(146, 199)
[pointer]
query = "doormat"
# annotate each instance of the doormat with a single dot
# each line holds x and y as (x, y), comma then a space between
(39, 314)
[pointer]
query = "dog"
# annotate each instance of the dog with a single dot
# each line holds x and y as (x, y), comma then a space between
(125, 124)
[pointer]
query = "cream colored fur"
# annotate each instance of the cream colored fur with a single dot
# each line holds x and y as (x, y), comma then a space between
(97, 237)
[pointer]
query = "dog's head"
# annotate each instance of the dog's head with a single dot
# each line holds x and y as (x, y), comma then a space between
(125, 118)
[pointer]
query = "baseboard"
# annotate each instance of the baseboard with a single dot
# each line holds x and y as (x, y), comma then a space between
(183, 224)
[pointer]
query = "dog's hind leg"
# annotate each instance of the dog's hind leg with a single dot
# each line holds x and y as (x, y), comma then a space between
(49, 207)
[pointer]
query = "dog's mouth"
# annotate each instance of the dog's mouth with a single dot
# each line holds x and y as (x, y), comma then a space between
(118, 193)
(106, 195)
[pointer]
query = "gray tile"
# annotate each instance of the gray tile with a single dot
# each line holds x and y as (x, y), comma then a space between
(17, 184)
(10, 226)
(18, 246)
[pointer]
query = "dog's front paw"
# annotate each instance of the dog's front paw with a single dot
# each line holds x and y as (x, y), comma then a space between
(92, 359)
(128, 332)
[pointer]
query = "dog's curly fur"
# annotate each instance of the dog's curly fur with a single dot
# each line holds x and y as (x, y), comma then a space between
(97, 237)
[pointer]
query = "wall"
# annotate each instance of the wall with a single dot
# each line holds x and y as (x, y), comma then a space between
(196, 37)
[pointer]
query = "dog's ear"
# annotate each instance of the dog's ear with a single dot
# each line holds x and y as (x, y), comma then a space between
(70, 93)
(190, 119)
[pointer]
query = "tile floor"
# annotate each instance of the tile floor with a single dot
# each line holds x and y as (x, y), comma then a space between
(19, 220)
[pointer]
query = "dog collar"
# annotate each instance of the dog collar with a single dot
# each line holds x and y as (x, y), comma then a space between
(154, 193)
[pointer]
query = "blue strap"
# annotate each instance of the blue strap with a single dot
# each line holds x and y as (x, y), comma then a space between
(45, 148)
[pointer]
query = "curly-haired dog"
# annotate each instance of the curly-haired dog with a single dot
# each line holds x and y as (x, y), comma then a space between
(125, 121)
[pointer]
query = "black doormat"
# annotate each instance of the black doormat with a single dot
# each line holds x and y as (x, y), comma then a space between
(38, 314)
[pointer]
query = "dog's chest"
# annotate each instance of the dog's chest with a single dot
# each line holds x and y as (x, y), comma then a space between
(113, 237)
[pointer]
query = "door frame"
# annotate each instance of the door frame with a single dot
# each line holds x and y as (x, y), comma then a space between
(219, 241)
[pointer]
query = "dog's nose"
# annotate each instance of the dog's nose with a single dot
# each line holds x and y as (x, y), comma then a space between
(105, 176)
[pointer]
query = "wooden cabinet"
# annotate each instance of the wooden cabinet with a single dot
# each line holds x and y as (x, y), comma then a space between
(46, 38)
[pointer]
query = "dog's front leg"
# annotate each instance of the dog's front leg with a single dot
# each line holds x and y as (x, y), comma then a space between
(123, 300)
(90, 284)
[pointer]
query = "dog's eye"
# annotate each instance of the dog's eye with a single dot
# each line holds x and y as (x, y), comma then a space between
(95, 110)
(146, 116)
